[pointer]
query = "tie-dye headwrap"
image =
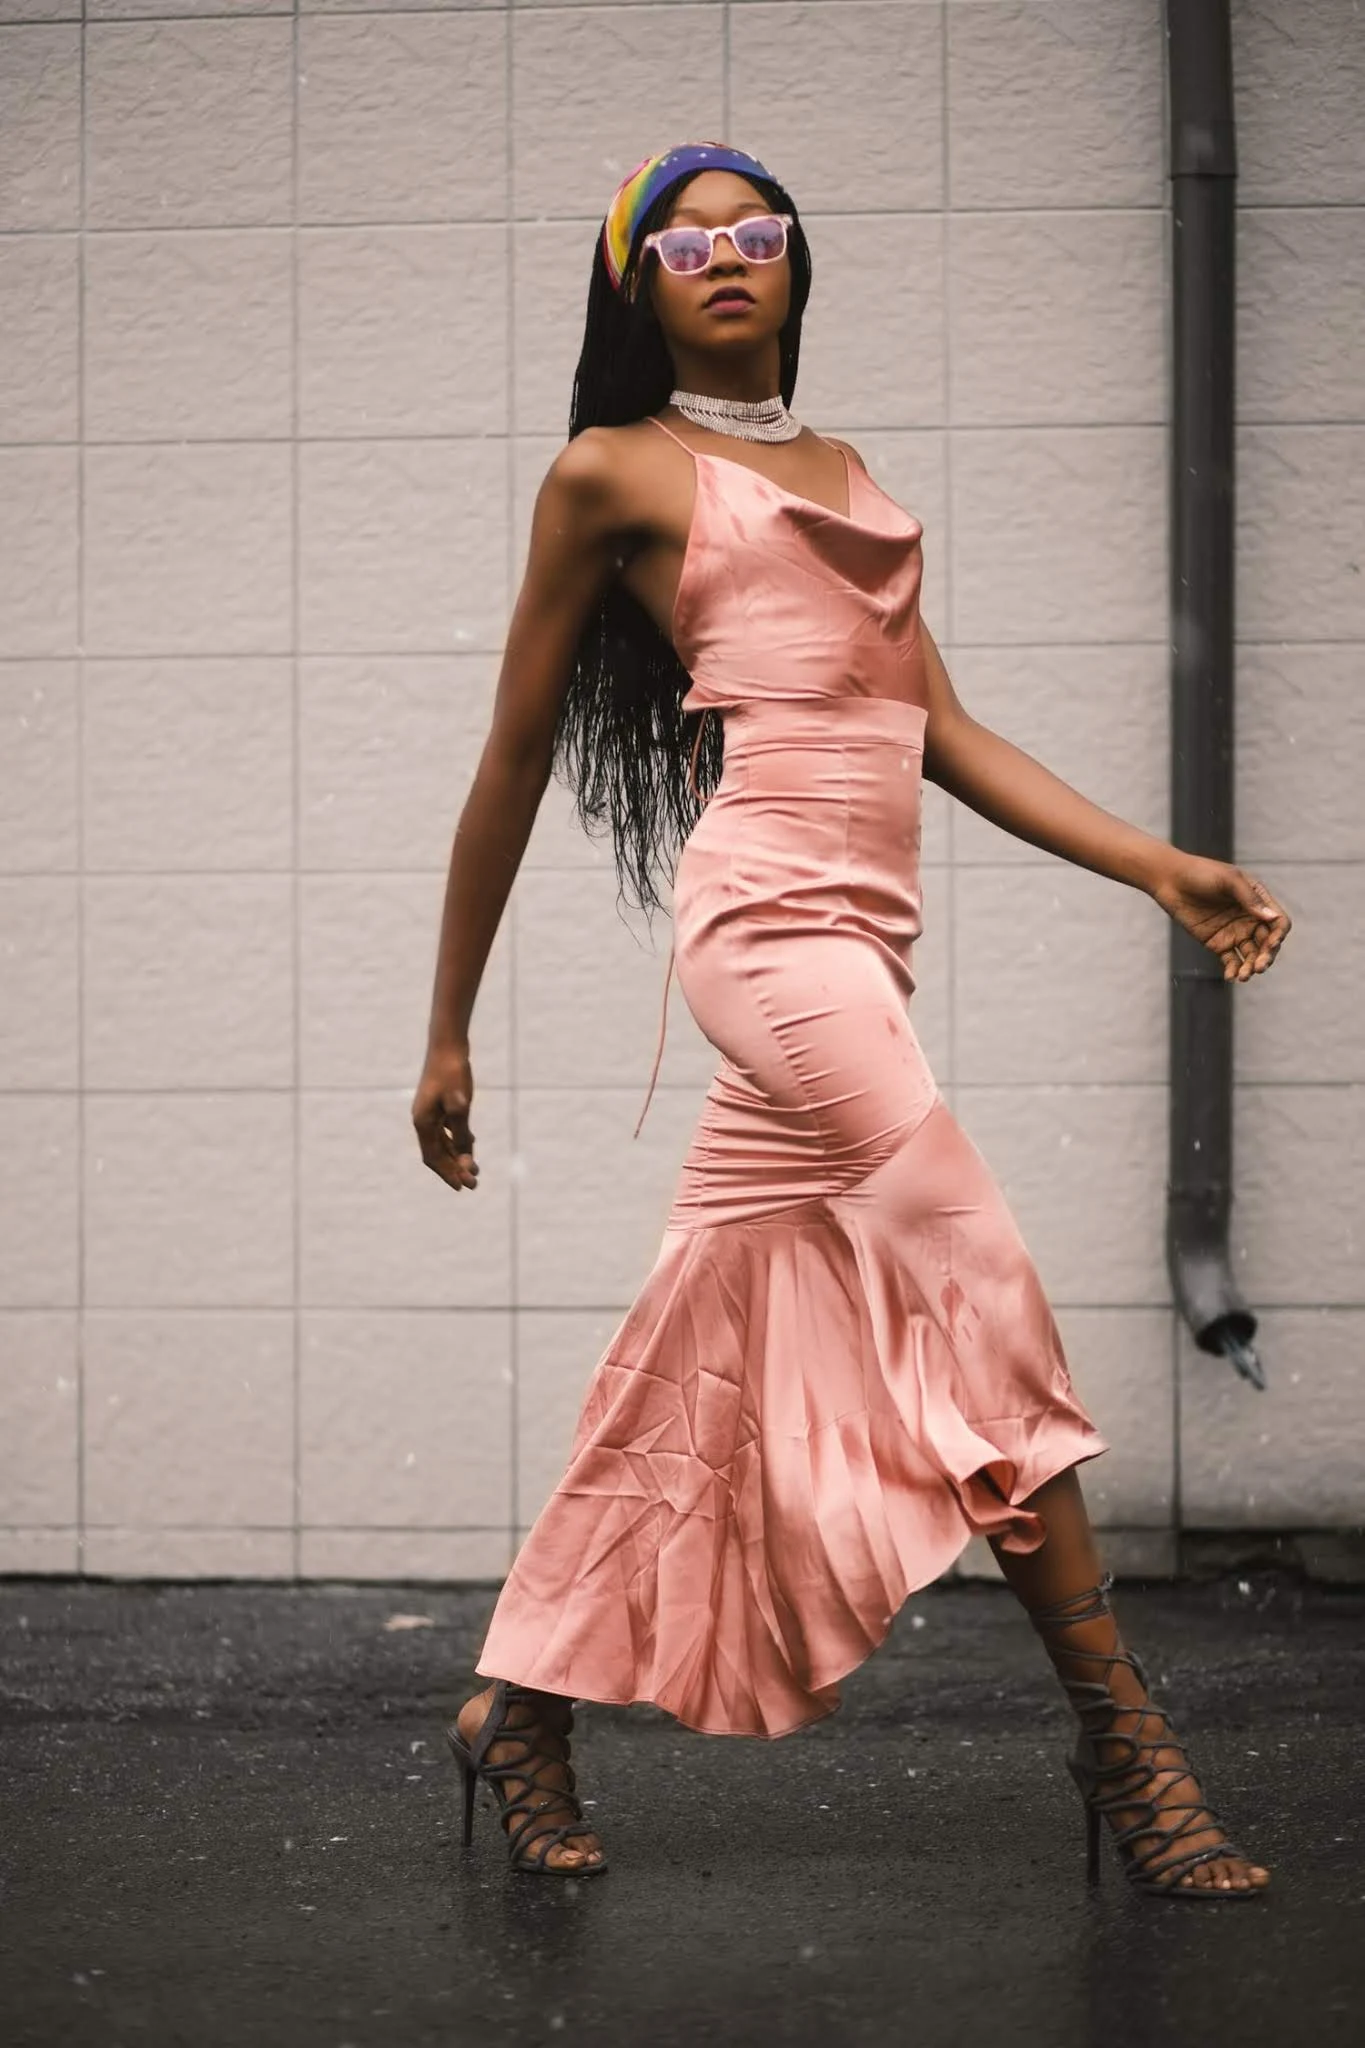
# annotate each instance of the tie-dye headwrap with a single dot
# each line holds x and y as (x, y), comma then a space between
(637, 192)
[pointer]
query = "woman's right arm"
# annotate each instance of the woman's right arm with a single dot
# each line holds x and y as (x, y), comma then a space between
(576, 532)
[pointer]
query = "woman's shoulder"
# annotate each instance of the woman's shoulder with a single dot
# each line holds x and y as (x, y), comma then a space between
(613, 469)
(589, 469)
(600, 457)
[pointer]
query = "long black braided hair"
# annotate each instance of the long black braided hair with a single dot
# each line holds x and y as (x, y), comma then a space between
(619, 741)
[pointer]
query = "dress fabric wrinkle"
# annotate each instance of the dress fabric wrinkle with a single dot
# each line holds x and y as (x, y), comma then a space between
(842, 1365)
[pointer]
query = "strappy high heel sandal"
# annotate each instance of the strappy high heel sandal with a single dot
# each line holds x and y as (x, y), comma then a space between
(1145, 1846)
(536, 1801)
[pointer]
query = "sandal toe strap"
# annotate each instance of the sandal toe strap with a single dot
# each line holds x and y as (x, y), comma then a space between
(1146, 1842)
(525, 1826)
(527, 1831)
(527, 1809)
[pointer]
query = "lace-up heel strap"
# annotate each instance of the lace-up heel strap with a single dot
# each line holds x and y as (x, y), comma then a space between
(494, 1726)
(521, 1813)
(1087, 1605)
(524, 1813)
(1091, 1697)
(1144, 1845)
(1101, 1783)
(1096, 1708)
(527, 1764)
(1154, 1868)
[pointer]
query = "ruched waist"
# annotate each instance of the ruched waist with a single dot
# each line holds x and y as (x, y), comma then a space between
(805, 721)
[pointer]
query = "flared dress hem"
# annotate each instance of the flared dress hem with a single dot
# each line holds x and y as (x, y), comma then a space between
(804, 1416)
(570, 1689)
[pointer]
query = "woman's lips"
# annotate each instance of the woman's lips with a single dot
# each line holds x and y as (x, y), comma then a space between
(732, 303)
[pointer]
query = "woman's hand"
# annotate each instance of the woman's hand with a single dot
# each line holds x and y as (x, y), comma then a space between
(1226, 909)
(440, 1112)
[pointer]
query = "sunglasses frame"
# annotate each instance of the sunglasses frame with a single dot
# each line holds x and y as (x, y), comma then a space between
(655, 241)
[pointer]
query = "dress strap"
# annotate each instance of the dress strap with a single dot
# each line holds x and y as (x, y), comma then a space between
(670, 433)
(663, 1023)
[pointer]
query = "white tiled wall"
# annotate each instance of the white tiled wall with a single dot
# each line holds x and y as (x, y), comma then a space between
(290, 301)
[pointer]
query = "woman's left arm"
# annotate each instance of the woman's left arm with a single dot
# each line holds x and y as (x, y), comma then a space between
(1220, 904)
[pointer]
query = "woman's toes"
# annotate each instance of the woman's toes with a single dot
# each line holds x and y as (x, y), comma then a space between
(1224, 1876)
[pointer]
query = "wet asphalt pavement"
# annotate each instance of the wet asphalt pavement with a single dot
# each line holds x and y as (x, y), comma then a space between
(227, 1815)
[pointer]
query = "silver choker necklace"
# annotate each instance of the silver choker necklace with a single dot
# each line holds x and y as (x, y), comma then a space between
(751, 419)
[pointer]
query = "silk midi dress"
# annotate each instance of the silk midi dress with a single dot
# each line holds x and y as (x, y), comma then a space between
(842, 1365)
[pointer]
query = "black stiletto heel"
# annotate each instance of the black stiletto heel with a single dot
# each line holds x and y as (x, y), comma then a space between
(471, 1779)
(1092, 1828)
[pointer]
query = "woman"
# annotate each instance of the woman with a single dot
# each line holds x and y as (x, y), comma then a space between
(842, 1365)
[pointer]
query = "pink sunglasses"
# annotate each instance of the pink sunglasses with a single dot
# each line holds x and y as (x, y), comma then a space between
(758, 238)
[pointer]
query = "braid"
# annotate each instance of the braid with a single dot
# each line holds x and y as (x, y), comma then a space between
(620, 742)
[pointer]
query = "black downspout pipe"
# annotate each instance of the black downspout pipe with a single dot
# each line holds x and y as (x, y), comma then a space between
(1203, 224)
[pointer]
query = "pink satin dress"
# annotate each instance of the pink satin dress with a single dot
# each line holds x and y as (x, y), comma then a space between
(842, 1365)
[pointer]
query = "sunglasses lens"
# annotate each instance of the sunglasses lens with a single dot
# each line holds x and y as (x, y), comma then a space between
(684, 249)
(760, 239)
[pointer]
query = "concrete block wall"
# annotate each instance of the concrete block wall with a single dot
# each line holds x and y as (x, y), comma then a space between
(290, 299)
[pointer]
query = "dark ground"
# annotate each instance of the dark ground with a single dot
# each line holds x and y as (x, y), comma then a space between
(227, 1816)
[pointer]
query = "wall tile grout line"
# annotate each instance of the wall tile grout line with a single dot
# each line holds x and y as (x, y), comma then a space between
(80, 673)
(514, 908)
(230, 1529)
(1251, 423)
(1005, 863)
(945, 538)
(1126, 642)
(1177, 1515)
(1073, 1304)
(1280, 645)
(296, 802)
(726, 59)
(1279, 1085)
(339, 224)
(1177, 1467)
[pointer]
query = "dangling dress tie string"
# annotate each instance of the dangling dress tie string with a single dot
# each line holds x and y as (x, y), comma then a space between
(663, 1022)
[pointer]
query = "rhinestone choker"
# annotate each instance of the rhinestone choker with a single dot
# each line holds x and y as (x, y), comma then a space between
(751, 419)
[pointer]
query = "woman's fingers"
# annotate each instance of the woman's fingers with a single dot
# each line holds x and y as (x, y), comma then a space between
(1239, 953)
(443, 1133)
(1261, 929)
(1269, 937)
(1272, 920)
(1254, 951)
(454, 1149)
(458, 1142)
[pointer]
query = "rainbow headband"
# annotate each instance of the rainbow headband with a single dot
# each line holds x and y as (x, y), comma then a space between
(637, 192)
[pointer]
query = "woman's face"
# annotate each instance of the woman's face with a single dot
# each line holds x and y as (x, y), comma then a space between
(686, 306)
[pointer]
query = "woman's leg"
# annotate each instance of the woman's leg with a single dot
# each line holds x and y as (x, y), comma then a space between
(1065, 1565)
